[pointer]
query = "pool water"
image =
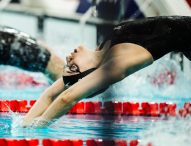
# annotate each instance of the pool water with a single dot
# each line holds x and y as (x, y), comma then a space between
(140, 87)
(22, 84)
(157, 130)
(79, 126)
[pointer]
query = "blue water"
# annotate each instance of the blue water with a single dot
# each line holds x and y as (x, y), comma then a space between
(80, 126)
(135, 88)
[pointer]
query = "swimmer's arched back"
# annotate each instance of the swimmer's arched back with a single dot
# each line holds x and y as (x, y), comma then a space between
(20, 50)
(160, 35)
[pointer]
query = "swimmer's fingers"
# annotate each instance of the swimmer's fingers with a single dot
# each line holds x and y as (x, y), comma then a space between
(24, 124)
(39, 123)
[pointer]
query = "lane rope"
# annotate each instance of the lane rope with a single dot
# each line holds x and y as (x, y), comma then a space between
(67, 142)
(109, 107)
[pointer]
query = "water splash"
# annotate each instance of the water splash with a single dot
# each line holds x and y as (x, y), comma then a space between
(10, 123)
(16, 117)
(174, 131)
(163, 78)
(21, 83)
(12, 77)
(16, 126)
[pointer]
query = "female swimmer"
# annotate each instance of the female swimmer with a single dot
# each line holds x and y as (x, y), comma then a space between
(131, 46)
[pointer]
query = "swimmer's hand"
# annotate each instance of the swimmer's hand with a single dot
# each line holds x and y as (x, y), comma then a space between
(25, 123)
(39, 123)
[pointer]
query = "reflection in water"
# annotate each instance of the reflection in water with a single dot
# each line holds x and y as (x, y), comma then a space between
(79, 126)
(156, 130)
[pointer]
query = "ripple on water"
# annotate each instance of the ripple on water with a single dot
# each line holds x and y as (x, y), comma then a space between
(174, 132)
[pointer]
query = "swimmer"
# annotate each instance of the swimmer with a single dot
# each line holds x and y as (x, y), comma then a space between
(133, 45)
(19, 49)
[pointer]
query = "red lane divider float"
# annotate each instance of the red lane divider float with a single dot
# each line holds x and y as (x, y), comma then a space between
(186, 110)
(124, 108)
(19, 142)
(66, 142)
(112, 108)
(15, 105)
(101, 142)
(55, 142)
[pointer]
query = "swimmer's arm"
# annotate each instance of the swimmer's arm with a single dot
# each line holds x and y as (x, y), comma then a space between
(85, 87)
(44, 101)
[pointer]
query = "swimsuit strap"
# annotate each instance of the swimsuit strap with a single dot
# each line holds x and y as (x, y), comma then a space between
(70, 80)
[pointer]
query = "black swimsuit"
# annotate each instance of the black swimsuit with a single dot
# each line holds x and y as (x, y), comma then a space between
(159, 35)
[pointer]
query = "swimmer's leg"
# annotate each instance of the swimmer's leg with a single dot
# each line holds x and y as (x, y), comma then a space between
(55, 65)
(125, 60)
(20, 50)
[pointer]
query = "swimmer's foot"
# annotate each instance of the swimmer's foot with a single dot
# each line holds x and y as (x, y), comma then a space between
(83, 59)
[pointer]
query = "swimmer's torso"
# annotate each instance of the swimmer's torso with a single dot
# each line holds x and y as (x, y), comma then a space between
(159, 35)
